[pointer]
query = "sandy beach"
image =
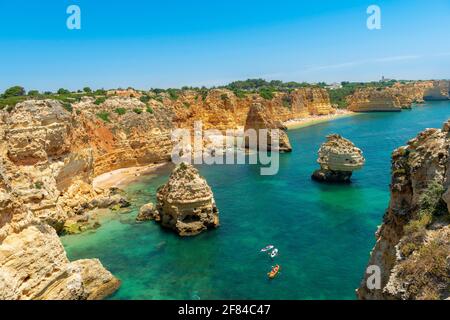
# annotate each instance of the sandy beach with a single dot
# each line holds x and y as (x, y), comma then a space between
(120, 177)
(311, 120)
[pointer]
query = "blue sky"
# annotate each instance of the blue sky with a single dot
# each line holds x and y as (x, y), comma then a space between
(173, 43)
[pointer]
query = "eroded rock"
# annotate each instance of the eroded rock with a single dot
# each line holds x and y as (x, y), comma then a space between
(258, 119)
(186, 203)
(338, 158)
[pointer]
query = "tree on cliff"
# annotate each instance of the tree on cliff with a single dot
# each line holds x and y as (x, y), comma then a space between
(63, 91)
(15, 91)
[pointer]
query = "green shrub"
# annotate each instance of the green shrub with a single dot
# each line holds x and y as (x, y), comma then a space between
(224, 97)
(186, 105)
(87, 89)
(430, 201)
(239, 93)
(38, 185)
(100, 92)
(266, 93)
(145, 99)
(159, 98)
(15, 91)
(173, 93)
(138, 111)
(33, 93)
(149, 109)
(63, 91)
(68, 106)
(10, 102)
(104, 116)
(287, 101)
(120, 111)
(99, 101)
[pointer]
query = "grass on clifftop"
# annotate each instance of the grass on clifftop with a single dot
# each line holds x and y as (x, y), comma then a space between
(431, 206)
(425, 269)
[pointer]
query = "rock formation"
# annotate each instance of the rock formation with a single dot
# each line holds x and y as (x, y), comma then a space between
(147, 213)
(338, 158)
(439, 91)
(50, 151)
(186, 203)
(413, 243)
(258, 119)
(222, 109)
(372, 100)
(44, 180)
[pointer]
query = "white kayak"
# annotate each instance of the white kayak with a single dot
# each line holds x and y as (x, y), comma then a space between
(269, 247)
(274, 253)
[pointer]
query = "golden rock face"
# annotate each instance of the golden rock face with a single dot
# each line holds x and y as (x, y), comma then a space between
(340, 154)
(258, 119)
(186, 203)
(412, 252)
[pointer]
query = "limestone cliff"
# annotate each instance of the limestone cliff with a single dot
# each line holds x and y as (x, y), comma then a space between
(186, 203)
(222, 109)
(258, 119)
(440, 90)
(373, 99)
(394, 98)
(413, 243)
(40, 170)
(50, 151)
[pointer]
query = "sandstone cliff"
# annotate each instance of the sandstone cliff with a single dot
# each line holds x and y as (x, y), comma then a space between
(373, 99)
(258, 119)
(222, 109)
(413, 244)
(439, 90)
(395, 98)
(50, 152)
(40, 170)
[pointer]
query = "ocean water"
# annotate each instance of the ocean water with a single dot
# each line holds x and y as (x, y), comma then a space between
(324, 232)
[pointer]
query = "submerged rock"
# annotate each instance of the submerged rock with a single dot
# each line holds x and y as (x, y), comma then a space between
(147, 213)
(259, 119)
(338, 158)
(186, 203)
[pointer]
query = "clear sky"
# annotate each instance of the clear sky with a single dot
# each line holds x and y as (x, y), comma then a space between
(173, 43)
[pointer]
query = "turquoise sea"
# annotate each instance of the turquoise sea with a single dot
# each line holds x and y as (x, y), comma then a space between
(324, 232)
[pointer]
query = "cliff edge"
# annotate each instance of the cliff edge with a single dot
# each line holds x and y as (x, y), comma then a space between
(413, 243)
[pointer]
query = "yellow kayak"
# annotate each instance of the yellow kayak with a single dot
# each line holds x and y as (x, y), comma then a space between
(272, 274)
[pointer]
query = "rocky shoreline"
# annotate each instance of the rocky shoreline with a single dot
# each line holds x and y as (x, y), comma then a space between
(52, 151)
(413, 243)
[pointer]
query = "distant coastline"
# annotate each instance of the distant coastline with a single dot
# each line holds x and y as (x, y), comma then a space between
(312, 120)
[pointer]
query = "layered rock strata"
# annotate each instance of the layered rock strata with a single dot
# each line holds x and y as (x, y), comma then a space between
(372, 100)
(413, 243)
(273, 138)
(186, 203)
(338, 158)
(44, 181)
(440, 90)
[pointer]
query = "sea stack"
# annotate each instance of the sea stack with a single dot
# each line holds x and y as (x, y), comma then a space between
(338, 158)
(186, 203)
(258, 119)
